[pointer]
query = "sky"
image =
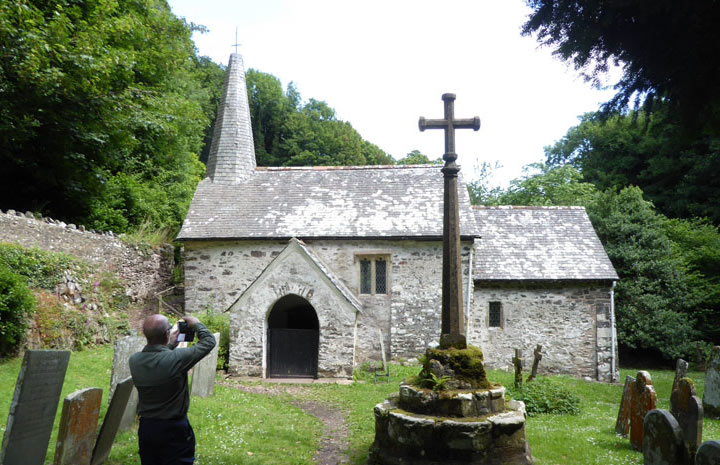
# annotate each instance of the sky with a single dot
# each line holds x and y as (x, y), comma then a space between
(381, 64)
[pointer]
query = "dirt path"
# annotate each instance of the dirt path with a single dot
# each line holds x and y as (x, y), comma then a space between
(334, 440)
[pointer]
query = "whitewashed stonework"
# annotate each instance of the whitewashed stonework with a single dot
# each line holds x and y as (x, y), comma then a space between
(570, 321)
(262, 242)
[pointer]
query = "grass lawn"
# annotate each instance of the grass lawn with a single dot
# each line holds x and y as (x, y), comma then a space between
(236, 427)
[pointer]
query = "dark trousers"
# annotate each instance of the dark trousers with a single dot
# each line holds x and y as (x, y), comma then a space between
(166, 442)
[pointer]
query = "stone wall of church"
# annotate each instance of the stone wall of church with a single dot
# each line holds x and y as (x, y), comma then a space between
(570, 321)
(408, 317)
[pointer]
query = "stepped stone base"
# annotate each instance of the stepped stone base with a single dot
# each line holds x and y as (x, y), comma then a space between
(406, 438)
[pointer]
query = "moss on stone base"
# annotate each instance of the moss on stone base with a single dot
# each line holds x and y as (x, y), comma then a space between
(461, 368)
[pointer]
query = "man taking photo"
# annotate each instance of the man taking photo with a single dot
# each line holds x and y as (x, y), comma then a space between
(159, 372)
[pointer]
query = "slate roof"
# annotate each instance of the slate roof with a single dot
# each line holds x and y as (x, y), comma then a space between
(232, 151)
(539, 243)
(326, 202)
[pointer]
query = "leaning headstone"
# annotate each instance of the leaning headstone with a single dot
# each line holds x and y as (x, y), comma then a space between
(203, 380)
(78, 427)
(662, 442)
(622, 425)
(536, 362)
(681, 368)
(687, 409)
(642, 400)
(711, 396)
(124, 348)
(33, 408)
(518, 363)
(112, 420)
(708, 453)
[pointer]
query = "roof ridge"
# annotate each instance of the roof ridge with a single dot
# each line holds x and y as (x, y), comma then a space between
(528, 207)
(343, 167)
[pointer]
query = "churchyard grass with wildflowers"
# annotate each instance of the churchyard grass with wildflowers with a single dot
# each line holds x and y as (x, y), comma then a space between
(235, 427)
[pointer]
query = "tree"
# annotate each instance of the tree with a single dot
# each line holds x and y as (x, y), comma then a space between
(668, 50)
(557, 186)
(97, 98)
(288, 132)
(668, 295)
(678, 175)
(415, 157)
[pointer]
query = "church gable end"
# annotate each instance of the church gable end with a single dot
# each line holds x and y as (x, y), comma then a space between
(298, 274)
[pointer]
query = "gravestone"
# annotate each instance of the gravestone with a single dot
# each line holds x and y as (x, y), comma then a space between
(518, 363)
(681, 367)
(536, 361)
(642, 400)
(124, 348)
(203, 380)
(78, 427)
(33, 408)
(622, 425)
(662, 443)
(111, 423)
(708, 453)
(711, 396)
(687, 409)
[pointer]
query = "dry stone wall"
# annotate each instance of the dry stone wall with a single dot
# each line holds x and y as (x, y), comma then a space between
(144, 272)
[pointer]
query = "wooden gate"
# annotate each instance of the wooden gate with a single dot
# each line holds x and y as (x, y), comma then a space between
(293, 353)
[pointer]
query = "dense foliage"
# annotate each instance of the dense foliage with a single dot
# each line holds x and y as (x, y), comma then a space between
(41, 269)
(16, 306)
(669, 51)
(288, 132)
(543, 395)
(668, 296)
(101, 111)
(678, 174)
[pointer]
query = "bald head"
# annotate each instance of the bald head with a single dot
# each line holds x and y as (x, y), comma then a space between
(155, 328)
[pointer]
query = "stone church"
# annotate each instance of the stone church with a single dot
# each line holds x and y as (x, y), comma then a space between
(322, 268)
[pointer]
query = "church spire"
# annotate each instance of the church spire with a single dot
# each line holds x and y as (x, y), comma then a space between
(232, 152)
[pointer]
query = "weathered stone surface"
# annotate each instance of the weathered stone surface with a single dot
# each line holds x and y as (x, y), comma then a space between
(124, 348)
(232, 153)
(662, 442)
(34, 404)
(407, 438)
(711, 395)
(687, 409)
(622, 425)
(78, 427)
(518, 365)
(452, 403)
(111, 422)
(642, 400)
(143, 272)
(708, 453)
(203, 378)
(681, 367)
(537, 356)
(571, 321)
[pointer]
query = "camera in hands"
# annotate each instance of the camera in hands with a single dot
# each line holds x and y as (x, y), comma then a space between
(186, 334)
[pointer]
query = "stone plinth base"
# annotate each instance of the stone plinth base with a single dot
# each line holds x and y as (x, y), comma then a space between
(406, 438)
(455, 403)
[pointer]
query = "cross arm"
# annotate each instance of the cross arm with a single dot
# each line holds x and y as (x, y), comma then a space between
(470, 123)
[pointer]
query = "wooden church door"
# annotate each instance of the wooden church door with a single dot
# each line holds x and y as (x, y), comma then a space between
(293, 337)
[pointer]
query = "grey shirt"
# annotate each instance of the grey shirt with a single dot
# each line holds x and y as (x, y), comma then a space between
(160, 376)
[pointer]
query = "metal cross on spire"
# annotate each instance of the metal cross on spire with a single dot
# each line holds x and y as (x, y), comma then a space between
(236, 44)
(452, 333)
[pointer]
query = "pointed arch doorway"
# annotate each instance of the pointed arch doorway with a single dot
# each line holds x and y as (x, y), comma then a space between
(293, 339)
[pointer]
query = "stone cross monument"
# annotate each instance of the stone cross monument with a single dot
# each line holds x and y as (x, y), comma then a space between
(453, 320)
